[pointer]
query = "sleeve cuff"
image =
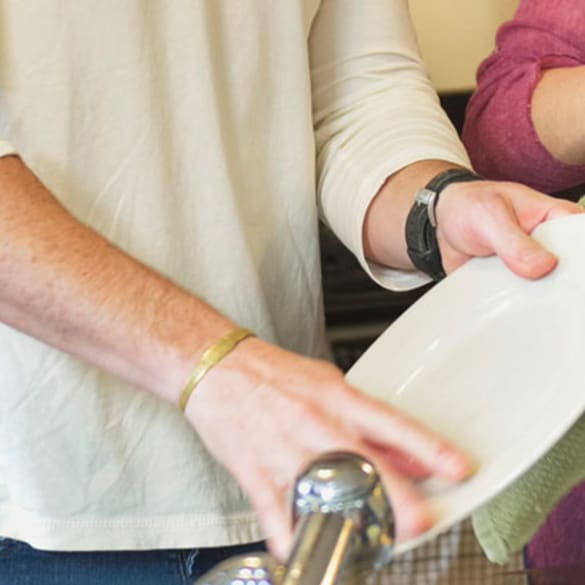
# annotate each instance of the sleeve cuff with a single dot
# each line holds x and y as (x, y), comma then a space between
(349, 224)
(6, 149)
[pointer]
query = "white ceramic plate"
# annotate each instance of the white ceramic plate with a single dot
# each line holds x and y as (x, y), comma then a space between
(491, 361)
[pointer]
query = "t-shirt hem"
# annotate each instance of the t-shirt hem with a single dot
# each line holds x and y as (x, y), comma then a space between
(6, 149)
(145, 533)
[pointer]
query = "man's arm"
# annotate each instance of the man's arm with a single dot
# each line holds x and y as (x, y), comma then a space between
(382, 135)
(64, 284)
(375, 113)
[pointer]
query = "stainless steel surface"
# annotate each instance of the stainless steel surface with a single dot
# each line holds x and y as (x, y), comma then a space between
(258, 569)
(320, 549)
(342, 483)
(344, 526)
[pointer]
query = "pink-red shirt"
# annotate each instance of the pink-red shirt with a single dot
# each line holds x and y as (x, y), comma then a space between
(499, 133)
(503, 144)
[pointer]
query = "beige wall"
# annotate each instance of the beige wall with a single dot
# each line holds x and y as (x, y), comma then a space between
(455, 35)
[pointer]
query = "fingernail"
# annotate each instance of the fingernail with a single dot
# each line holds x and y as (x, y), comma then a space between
(534, 255)
(456, 465)
(413, 522)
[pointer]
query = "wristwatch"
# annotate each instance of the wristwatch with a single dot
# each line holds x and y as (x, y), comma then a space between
(421, 223)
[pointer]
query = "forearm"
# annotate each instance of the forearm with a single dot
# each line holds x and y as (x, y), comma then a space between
(384, 241)
(64, 284)
(557, 113)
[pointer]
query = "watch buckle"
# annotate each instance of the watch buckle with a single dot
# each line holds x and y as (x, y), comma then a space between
(428, 198)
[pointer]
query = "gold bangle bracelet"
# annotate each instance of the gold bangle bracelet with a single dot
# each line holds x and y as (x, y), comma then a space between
(209, 359)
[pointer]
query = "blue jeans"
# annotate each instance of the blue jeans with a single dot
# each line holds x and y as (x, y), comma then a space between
(21, 564)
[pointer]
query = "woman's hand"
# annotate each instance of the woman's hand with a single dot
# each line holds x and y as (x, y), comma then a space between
(265, 413)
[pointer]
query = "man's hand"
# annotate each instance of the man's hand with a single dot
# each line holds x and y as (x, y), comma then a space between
(488, 217)
(478, 218)
(265, 413)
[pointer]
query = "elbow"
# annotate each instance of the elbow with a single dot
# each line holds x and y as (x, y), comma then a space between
(503, 145)
(491, 143)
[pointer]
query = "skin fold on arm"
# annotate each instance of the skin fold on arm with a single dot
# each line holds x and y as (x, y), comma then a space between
(557, 113)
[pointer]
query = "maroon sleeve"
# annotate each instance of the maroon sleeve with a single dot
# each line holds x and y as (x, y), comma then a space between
(498, 131)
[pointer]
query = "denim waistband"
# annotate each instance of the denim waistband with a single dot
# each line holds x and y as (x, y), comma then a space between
(21, 564)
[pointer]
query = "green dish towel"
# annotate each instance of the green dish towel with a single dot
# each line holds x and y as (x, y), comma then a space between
(507, 522)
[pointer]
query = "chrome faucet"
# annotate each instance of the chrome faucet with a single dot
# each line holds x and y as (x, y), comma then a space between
(343, 523)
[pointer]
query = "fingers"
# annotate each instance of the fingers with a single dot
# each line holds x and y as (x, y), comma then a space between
(272, 499)
(291, 411)
(521, 253)
(563, 208)
(271, 502)
(356, 422)
(412, 516)
(387, 428)
(399, 447)
(321, 432)
(480, 219)
(405, 464)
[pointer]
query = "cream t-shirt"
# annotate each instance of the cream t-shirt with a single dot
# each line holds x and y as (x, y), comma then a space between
(201, 136)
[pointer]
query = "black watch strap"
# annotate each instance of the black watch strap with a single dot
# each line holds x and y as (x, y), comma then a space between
(421, 237)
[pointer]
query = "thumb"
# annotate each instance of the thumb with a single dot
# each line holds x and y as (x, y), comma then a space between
(519, 251)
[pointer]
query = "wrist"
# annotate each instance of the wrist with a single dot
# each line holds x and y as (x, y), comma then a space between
(247, 366)
(178, 343)
(421, 223)
(210, 359)
(383, 227)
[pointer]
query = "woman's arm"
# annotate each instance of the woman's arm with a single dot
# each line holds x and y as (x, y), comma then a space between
(558, 114)
(525, 121)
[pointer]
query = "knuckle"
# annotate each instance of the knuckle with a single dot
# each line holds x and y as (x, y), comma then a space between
(490, 203)
(331, 372)
(302, 411)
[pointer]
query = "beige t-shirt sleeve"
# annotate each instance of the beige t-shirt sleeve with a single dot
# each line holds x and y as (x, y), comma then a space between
(6, 148)
(375, 111)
